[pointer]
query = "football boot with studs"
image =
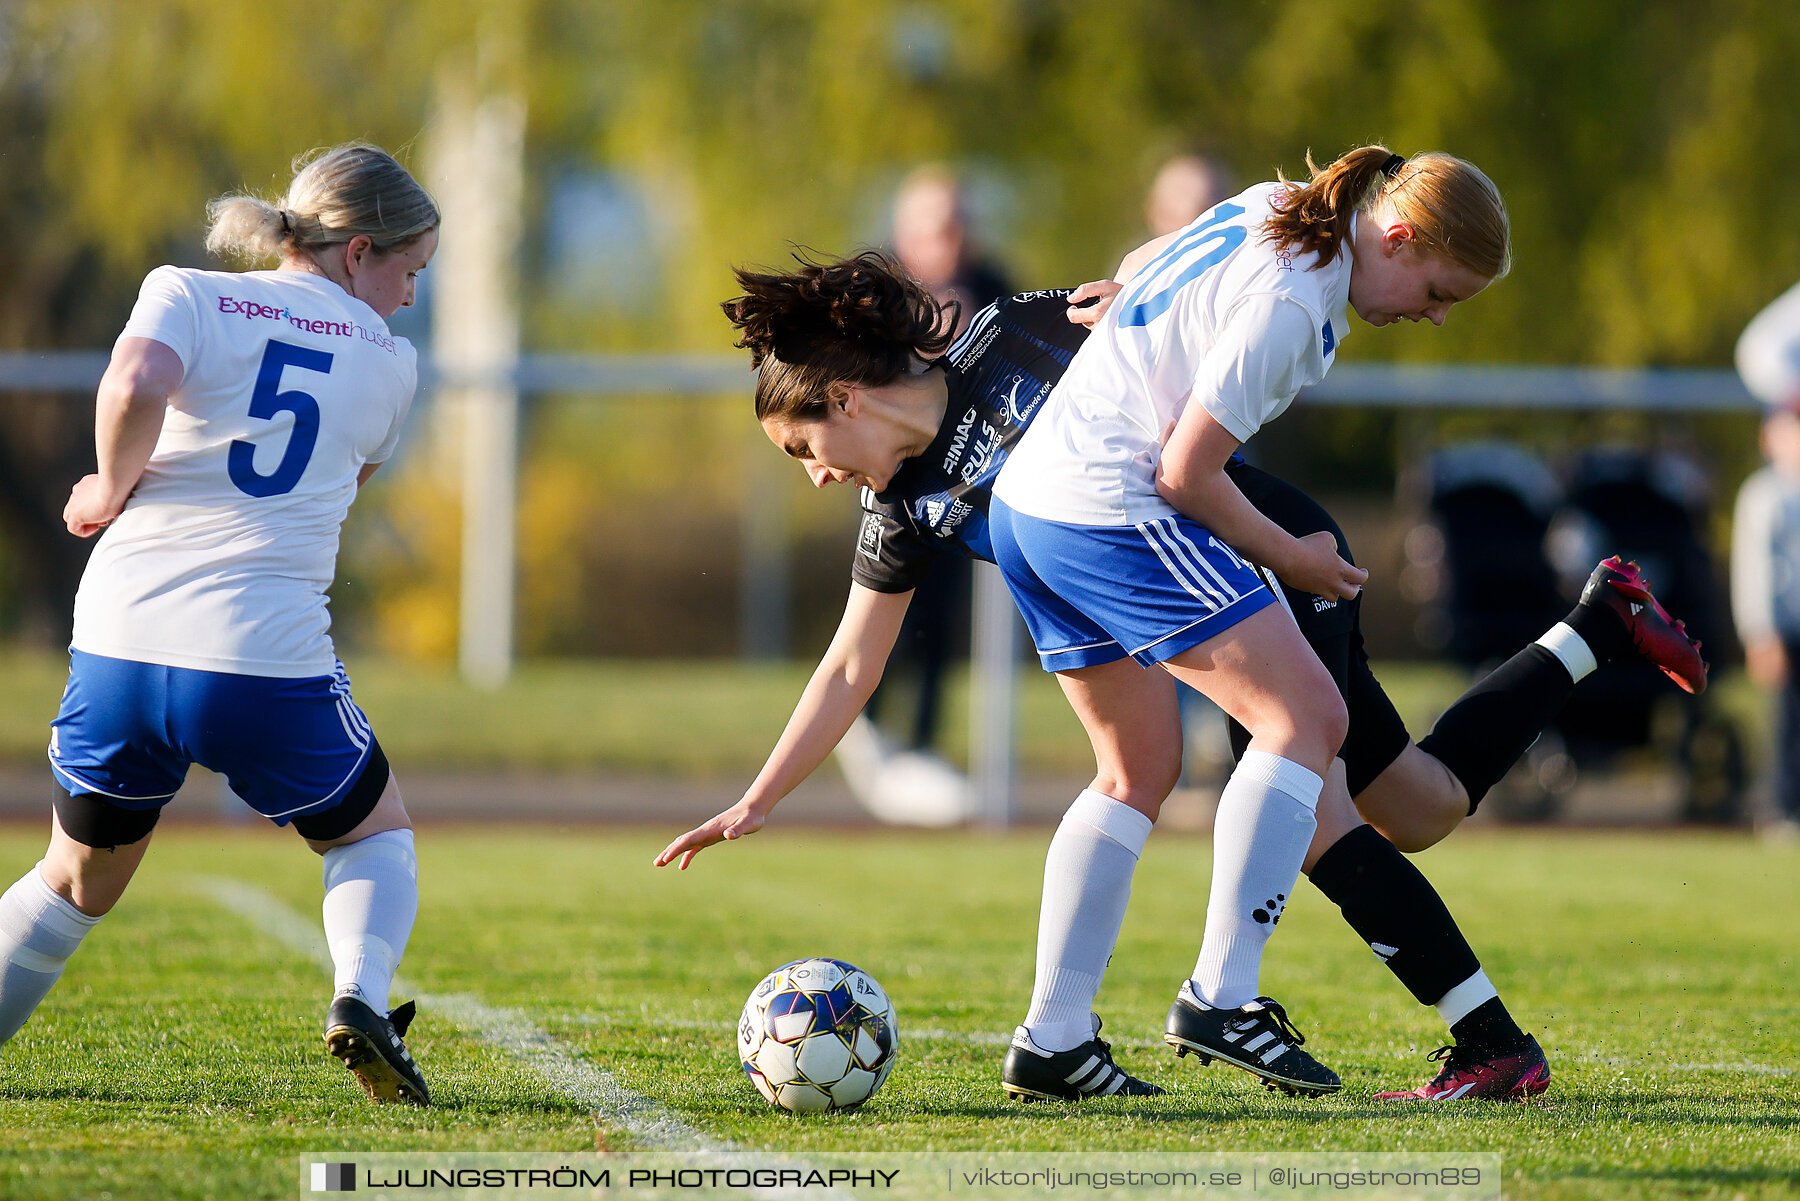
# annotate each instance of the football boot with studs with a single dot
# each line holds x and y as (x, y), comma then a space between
(1034, 1074)
(1518, 1075)
(370, 1046)
(1257, 1037)
(1659, 638)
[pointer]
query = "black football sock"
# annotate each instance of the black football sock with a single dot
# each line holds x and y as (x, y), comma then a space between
(1391, 904)
(1488, 1030)
(1483, 734)
(1603, 630)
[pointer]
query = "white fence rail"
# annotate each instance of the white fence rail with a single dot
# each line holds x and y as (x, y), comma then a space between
(1669, 390)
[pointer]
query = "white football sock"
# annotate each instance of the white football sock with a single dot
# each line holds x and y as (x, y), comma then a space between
(371, 899)
(1570, 649)
(1264, 825)
(1087, 881)
(39, 930)
(1462, 1000)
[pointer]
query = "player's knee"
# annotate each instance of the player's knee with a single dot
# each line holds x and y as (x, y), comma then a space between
(1315, 726)
(95, 851)
(1142, 785)
(1333, 721)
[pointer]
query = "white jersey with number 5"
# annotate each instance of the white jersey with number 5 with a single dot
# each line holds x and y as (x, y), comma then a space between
(1220, 318)
(224, 552)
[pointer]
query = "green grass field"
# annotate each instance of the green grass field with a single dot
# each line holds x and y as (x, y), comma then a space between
(180, 1054)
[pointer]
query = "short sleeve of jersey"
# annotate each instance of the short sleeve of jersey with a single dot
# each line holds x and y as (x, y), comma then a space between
(1271, 347)
(889, 556)
(166, 312)
(385, 451)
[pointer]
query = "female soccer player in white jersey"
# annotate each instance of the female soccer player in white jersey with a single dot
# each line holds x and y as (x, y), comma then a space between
(841, 351)
(238, 417)
(1412, 795)
(1120, 534)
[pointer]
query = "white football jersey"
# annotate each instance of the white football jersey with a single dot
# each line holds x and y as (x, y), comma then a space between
(224, 552)
(1219, 317)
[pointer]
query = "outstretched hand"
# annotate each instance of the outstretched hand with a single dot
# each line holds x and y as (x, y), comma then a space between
(735, 822)
(1089, 302)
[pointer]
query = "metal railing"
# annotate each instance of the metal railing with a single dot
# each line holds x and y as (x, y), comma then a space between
(1686, 390)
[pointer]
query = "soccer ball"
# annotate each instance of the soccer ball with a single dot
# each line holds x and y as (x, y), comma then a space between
(817, 1034)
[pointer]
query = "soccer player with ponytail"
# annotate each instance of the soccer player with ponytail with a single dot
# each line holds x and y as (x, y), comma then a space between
(238, 417)
(1413, 795)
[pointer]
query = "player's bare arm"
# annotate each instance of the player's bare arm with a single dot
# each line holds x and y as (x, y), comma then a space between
(839, 688)
(128, 418)
(1191, 476)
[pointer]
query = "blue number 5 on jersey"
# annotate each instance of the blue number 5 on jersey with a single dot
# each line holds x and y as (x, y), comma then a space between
(1184, 261)
(267, 400)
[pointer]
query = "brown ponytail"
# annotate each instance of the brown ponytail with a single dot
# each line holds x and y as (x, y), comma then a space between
(1454, 209)
(862, 320)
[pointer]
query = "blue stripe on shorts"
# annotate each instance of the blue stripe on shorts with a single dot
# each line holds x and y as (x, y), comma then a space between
(1093, 594)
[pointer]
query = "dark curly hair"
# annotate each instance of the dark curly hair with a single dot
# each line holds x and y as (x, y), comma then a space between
(863, 320)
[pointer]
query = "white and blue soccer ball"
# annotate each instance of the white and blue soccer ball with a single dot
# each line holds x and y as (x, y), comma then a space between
(817, 1034)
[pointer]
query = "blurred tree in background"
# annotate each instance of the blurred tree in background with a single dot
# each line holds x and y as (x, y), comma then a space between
(1646, 150)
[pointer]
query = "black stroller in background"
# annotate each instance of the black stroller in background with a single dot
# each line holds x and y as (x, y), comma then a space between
(1513, 547)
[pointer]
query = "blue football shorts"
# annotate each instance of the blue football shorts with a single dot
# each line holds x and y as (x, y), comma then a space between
(1091, 594)
(127, 732)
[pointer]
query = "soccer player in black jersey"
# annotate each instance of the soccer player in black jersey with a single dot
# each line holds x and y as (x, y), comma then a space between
(922, 427)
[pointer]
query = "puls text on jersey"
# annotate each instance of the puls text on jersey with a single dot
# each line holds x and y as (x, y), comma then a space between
(978, 452)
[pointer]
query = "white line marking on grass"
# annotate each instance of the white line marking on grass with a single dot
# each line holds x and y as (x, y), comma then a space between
(506, 1030)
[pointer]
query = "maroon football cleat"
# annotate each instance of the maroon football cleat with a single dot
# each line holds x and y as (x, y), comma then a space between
(1516, 1077)
(1655, 635)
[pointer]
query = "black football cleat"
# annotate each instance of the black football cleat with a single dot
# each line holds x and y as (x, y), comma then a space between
(1256, 1037)
(1034, 1074)
(369, 1045)
(1619, 586)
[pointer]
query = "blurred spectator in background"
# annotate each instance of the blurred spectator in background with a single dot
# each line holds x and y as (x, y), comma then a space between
(896, 774)
(932, 240)
(1765, 541)
(1185, 186)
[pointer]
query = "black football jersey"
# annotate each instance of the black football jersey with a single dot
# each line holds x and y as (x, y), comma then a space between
(1000, 371)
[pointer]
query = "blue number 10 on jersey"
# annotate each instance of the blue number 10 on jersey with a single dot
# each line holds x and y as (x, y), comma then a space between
(1152, 297)
(268, 400)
